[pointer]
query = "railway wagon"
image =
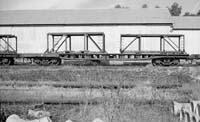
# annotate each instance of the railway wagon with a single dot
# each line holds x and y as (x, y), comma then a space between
(9, 55)
(59, 49)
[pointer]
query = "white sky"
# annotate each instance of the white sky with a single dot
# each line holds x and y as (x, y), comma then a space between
(187, 5)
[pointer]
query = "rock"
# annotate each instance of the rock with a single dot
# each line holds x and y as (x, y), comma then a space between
(97, 120)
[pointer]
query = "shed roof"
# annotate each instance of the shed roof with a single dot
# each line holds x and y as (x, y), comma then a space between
(186, 23)
(87, 16)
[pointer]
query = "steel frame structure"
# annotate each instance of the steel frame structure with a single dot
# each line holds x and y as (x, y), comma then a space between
(8, 50)
(67, 39)
(53, 56)
(164, 38)
(7, 47)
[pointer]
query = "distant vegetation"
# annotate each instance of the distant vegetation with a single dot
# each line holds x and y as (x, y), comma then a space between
(175, 9)
(191, 14)
(144, 6)
(157, 6)
(118, 6)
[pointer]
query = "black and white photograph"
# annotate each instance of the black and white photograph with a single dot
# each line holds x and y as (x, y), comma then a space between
(99, 60)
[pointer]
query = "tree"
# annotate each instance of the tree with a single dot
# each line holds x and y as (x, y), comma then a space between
(189, 14)
(175, 9)
(119, 6)
(198, 13)
(144, 6)
(157, 6)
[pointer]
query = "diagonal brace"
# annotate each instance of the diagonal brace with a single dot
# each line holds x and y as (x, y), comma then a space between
(129, 44)
(95, 43)
(2, 47)
(8, 44)
(58, 42)
(61, 44)
(170, 44)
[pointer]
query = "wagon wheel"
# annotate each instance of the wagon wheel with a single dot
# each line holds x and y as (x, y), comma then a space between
(37, 61)
(153, 62)
(45, 62)
(96, 62)
(58, 61)
(166, 62)
(55, 61)
(156, 62)
(6, 61)
(175, 62)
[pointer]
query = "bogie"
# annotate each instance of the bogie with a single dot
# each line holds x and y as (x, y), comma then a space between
(44, 61)
(165, 62)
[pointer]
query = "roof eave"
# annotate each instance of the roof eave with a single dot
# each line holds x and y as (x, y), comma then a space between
(85, 24)
(186, 28)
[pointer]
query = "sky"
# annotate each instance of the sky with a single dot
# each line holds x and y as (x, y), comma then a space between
(191, 6)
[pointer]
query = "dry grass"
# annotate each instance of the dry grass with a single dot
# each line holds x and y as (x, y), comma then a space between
(155, 75)
(118, 108)
(113, 110)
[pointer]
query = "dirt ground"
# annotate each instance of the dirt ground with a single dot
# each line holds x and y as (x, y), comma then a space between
(112, 93)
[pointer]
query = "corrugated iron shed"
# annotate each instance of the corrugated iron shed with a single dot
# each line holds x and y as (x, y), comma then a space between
(85, 17)
(186, 23)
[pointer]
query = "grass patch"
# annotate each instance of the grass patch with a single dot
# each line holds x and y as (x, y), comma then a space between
(117, 108)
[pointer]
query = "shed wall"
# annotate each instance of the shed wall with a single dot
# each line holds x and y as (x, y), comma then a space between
(33, 39)
(192, 40)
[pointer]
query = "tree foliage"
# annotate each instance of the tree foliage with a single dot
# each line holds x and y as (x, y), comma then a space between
(175, 9)
(144, 6)
(198, 13)
(191, 14)
(157, 6)
(120, 6)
